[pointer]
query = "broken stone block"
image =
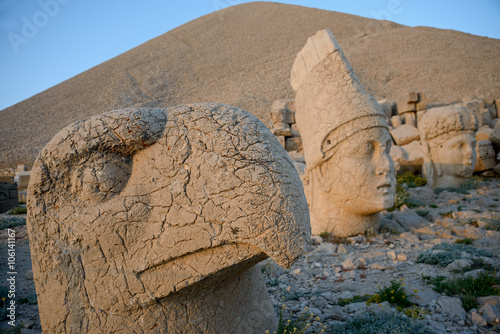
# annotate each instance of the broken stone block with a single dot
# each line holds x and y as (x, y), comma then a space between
(410, 118)
(21, 168)
(485, 156)
(405, 134)
(412, 97)
(396, 121)
(419, 114)
(485, 118)
(152, 220)
(422, 102)
(293, 144)
(22, 179)
(281, 139)
(408, 158)
(282, 129)
(483, 133)
(405, 106)
(8, 196)
(495, 134)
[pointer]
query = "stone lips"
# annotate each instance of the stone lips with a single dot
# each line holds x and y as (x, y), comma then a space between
(242, 56)
(214, 188)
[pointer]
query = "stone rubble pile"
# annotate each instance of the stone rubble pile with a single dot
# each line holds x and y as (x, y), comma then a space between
(355, 266)
(403, 117)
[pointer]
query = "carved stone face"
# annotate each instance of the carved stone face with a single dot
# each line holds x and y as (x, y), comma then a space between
(361, 173)
(455, 157)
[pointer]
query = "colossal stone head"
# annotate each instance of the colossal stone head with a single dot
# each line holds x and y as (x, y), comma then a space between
(150, 220)
(346, 141)
(447, 135)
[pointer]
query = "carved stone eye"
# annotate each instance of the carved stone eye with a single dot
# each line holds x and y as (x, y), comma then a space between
(99, 179)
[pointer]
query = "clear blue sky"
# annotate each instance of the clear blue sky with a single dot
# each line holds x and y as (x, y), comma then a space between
(44, 42)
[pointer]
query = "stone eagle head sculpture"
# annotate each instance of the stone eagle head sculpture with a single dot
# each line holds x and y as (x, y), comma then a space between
(141, 219)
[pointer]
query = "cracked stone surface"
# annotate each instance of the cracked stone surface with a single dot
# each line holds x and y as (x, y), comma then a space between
(448, 143)
(350, 175)
(151, 220)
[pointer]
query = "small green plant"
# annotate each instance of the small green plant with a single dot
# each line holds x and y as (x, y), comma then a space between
(21, 202)
(381, 323)
(355, 299)
(433, 206)
(30, 299)
(467, 288)
(477, 263)
(9, 222)
(325, 235)
(303, 322)
(415, 312)
(493, 224)
(444, 254)
(411, 180)
(17, 211)
(466, 241)
(394, 294)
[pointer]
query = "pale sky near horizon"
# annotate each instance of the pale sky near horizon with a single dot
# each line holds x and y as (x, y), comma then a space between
(44, 42)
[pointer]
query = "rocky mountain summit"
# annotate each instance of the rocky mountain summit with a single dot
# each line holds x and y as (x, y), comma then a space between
(242, 56)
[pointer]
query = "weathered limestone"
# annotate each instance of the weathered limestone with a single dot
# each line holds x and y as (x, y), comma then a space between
(485, 156)
(284, 127)
(346, 141)
(483, 133)
(396, 121)
(151, 220)
(386, 107)
(405, 134)
(8, 196)
(447, 135)
(22, 179)
(407, 158)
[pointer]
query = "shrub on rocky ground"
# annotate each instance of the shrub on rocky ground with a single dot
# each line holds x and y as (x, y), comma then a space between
(381, 323)
(467, 288)
(9, 222)
(444, 254)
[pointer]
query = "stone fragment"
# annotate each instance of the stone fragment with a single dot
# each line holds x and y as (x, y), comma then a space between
(483, 133)
(347, 264)
(22, 179)
(448, 139)
(405, 134)
(404, 106)
(410, 220)
(410, 118)
(415, 158)
(478, 320)
(396, 121)
(8, 196)
(293, 144)
(282, 129)
(401, 257)
(420, 114)
(492, 300)
(281, 139)
(344, 249)
(152, 220)
(347, 186)
(495, 134)
(424, 296)
(391, 255)
(485, 156)
(460, 264)
(491, 314)
(422, 102)
(413, 97)
(280, 112)
(451, 306)
(485, 118)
